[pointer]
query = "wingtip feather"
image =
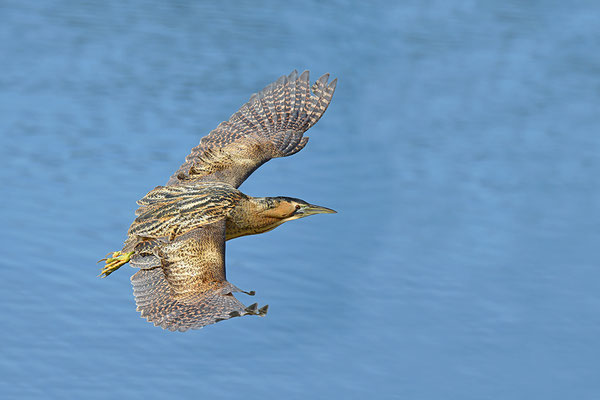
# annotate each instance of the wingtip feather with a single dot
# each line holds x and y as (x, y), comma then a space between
(323, 79)
(305, 76)
(332, 84)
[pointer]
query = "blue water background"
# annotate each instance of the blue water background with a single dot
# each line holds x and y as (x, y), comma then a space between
(461, 151)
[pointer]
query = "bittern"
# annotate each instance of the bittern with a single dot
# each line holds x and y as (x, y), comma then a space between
(177, 239)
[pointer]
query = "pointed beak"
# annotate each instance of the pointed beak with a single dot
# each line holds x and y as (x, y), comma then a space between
(312, 209)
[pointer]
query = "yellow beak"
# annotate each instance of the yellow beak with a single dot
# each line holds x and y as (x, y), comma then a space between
(311, 209)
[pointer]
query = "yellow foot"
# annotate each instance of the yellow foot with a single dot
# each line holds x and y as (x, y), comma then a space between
(113, 262)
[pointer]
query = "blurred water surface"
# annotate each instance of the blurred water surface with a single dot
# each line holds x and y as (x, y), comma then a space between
(461, 151)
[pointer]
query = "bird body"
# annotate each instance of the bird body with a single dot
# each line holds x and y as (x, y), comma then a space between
(177, 239)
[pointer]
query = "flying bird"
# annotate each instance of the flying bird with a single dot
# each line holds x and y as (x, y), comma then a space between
(177, 240)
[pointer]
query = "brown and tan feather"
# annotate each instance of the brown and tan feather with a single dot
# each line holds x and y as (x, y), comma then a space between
(187, 289)
(168, 211)
(271, 124)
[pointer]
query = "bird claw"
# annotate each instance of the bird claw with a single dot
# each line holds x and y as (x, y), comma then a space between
(113, 262)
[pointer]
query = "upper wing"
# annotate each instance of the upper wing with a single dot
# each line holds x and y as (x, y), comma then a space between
(181, 284)
(271, 124)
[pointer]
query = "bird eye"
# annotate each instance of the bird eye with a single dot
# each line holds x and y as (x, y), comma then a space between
(297, 207)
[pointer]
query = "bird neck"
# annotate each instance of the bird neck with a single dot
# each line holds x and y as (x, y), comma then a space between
(250, 217)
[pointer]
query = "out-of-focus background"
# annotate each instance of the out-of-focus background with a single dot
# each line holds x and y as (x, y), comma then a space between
(461, 150)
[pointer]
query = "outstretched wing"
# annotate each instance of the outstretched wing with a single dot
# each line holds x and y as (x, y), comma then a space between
(271, 124)
(181, 284)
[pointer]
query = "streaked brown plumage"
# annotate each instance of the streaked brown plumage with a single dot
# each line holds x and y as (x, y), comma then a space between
(178, 237)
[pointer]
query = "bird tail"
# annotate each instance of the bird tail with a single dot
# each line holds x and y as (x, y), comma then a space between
(156, 303)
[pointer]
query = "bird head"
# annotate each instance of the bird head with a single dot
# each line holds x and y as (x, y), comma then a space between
(288, 208)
